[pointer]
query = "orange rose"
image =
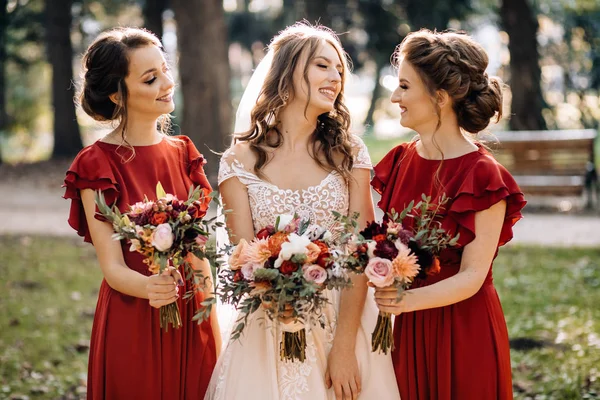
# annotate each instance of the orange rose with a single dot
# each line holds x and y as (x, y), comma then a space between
(159, 218)
(434, 268)
(323, 259)
(313, 252)
(276, 241)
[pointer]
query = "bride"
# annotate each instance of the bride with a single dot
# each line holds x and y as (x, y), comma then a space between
(295, 155)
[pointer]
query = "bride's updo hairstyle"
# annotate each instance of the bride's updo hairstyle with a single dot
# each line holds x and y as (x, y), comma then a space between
(456, 63)
(331, 140)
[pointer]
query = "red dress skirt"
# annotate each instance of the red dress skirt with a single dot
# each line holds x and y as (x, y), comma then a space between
(460, 351)
(130, 356)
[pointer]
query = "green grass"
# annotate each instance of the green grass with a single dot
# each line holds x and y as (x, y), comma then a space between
(49, 287)
(380, 147)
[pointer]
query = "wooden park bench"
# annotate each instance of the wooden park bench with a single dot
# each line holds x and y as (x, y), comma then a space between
(550, 163)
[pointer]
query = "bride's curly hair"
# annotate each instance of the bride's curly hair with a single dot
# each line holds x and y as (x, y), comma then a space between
(331, 137)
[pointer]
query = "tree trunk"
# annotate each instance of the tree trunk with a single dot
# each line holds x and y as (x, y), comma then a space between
(67, 140)
(204, 74)
(3, 115)
(153, 11)
(520, 22)
(369, 122)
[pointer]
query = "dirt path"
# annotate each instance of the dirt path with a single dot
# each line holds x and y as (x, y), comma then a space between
(31, 203)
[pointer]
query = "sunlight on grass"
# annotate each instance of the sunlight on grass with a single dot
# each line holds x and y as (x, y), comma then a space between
(380, 147)
(49, 290)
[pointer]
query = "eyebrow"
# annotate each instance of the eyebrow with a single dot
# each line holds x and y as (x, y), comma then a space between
(152, 69)
(328, 60)
(404, 80)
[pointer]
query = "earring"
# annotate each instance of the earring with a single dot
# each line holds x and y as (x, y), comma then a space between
(286, 96)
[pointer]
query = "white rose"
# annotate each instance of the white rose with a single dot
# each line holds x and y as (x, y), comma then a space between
(295, 245)
(162, 237)
(371, 248)
(284, 220)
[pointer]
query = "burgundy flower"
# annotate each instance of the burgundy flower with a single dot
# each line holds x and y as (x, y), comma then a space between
(425, 258)
(263, 233)
(374, 229)
(386, 249)
(405, 235)
(288, 267)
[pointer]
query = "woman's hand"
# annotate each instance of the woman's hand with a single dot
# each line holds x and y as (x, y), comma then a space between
(343, 373)
(163, 289)
(387, 300)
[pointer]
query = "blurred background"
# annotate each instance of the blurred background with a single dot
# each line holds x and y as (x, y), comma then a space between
(547, 51)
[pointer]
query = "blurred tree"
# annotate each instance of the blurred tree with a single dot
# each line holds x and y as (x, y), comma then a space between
(382, 24)
(67, 140)
(3, 29)
(420, 13)
(204, 75)
(519, 20)
(153, 16)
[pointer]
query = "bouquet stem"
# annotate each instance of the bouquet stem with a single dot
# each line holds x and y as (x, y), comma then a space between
(382, 339)
(293, 346)
(169, 314)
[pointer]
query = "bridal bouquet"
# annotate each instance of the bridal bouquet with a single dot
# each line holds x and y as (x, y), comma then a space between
(396, 251)
(285, 269)
(166, 231)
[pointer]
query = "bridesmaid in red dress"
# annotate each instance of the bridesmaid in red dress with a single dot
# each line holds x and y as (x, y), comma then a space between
(450, 335)
(128, 81)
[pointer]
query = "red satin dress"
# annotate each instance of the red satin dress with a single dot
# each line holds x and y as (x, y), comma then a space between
(130, 356)
(460, 351)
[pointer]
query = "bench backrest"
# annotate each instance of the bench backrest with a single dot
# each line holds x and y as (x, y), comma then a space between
(545, 153)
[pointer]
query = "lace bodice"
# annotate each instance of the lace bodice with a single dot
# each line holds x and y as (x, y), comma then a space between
(315, 202)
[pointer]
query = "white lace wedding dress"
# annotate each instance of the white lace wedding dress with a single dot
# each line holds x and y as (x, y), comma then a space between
(250, 368)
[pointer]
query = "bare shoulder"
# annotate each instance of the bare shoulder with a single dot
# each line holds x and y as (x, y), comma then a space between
(242, 152)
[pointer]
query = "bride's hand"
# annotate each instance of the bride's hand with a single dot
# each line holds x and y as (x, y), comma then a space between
(343, 374)
(285, 317)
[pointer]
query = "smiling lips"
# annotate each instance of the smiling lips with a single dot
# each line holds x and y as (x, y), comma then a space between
(402, 110)
(329, 92)
(166, 98)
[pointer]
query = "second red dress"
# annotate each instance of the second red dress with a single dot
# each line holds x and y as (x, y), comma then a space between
(130, 356)
(460, 351)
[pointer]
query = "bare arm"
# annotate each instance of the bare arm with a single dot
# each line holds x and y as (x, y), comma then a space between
(203, 266)
(476, 260)
(343, 367)
(160, 290)
(239, 218)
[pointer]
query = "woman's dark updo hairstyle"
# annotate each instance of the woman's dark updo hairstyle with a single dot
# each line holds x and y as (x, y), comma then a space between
(105, 66)
(454, 62)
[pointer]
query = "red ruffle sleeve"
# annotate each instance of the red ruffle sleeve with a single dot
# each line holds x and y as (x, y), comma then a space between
(484, 185)
(90, 170)
(387, 168)
(196, 163)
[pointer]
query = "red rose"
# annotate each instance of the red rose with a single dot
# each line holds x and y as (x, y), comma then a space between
(159, 218)
(288, 267)
(324, 258)
(195, 211)
(263, 233)
(379, 238)
(238, 276)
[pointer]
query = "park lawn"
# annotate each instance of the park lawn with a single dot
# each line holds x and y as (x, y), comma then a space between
(49, 288)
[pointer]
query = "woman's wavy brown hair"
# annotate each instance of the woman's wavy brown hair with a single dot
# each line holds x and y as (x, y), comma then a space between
(105, 67)
(331, 137)
(454, 62)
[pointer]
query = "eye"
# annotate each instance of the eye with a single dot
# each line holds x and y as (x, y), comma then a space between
(403, 87)
(151, 81)
(322, 66)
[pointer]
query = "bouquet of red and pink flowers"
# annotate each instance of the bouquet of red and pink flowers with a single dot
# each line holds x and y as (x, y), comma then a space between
(167, 231)
(285, 269)
(395, 252)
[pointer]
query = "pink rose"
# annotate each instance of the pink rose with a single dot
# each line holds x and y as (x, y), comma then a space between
(162, 237)
(248, 270)
(379, 272)
(201, 240)
(239, 255)
(314, 273)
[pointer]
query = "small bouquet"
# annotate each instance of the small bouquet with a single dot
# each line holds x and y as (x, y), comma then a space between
(395, 252)
(166, 232)
(285, 269)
